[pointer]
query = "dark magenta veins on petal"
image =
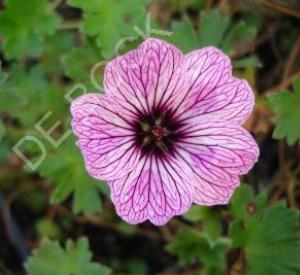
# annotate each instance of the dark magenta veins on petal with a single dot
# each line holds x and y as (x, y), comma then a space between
(157, 132)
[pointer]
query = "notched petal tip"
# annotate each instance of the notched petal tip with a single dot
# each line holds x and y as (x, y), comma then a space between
(155, 191)
(210, 56)
(157, 43)
(218, 154)
(104, 137)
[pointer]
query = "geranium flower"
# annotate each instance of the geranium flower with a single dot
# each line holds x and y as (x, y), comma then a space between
(167, 132)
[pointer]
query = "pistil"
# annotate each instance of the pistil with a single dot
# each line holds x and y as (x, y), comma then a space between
(159, 132)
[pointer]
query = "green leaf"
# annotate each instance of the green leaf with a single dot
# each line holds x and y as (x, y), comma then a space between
(55, 48)
(287, 109)
(192, 246)
(29, 96)
(269, 235)
(86, 198)
(2, 130)
(212, 28)
(24, 26)
(248, 62)
(117, 19)
(47, 228)
(20, 88)
(184, 35)
(238, 32)
(52, 259)
(215, 30)
(3, 78)
(79, 63)
(187, 4)
(65, 168)
(209, 218)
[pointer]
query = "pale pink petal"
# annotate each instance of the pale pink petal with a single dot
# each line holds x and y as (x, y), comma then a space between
(146, 77)
(218, 154)
(232, 101)
(105, 137)
(204, 70)
(157, 190)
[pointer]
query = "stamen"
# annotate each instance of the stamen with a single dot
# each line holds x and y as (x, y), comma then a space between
(145, 126)
(157, 132)
(161, 145)
(146, 141)
(158, 121)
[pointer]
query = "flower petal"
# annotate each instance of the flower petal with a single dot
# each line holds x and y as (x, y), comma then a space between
(106, 138)
(146, 77)
(204, 70)
(218, 154)
(232, 101)
(157, 190)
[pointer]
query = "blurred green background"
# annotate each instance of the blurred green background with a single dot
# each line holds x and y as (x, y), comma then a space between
(56, 220)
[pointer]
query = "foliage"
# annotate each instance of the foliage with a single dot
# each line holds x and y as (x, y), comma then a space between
(215, 29)
(269, 235)
(117, 20)
(25, 24)
(192, 246)
(81, 60)
(56, 167)
(287, 108)
(55, 47)
(210, 220)
(29, 95)
(52, 259)
(208, 247)
(3, 78)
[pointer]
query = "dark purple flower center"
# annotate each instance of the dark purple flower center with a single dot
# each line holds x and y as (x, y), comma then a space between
(157, 132)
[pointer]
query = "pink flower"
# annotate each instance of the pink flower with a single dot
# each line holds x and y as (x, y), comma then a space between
(167, 133)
